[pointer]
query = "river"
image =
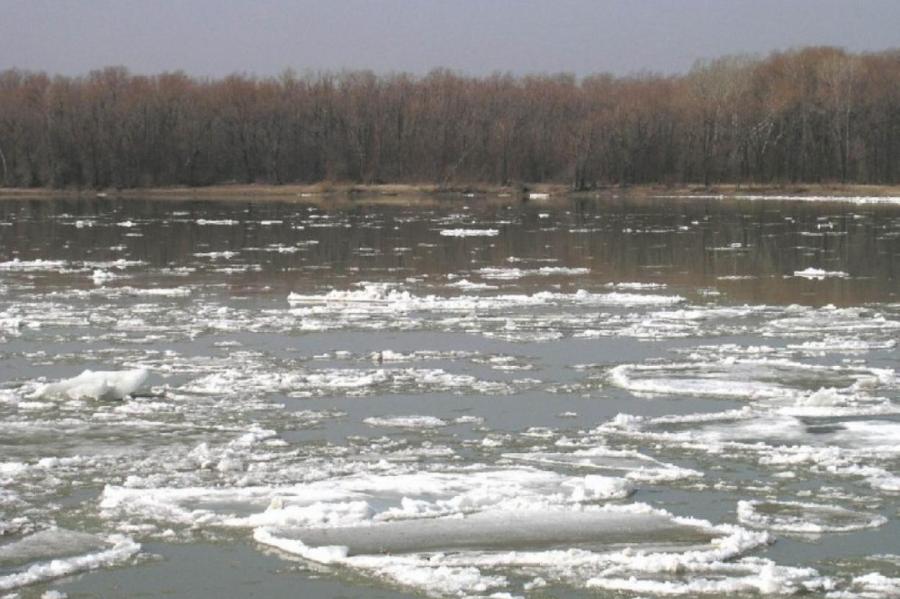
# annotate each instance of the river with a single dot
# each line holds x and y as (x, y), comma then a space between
(449, 397)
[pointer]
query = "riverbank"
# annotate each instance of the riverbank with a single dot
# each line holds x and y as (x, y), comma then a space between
(405, 191)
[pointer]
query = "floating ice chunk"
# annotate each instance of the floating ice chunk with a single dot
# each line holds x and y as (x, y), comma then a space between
(806, 518)
(818, 273)
(10, 470)
(824, 397)
(102, 276)
(100, 385)
(860, 200)
(17, 265)
(377, 299)
(754, 379)
(844, 345)
(690, 379)
(828, 320)
(222, 221)
(518, 273)
(119, 264)
(406, 421)
(535, 583)
(884, 481)
(445, 580)
(324, 555)
(224, 255)
(55, 553)
(501, 274)
(595, 488)
(871, 586)
(637, 466)
(628, 286)
(716, 579)
(603, 547)
(470, 232)
(147, 291)
(7, 396)
(354, 499)
(506, 530)
(562, 270)
(458, 529)
(871, 435)
(11, 325)
(731, 247)
(48, 544)
(535, 195)
(469, 285)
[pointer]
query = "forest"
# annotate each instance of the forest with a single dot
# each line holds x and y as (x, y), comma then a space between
(810, 115)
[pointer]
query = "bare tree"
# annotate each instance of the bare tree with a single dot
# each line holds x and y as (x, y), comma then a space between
(811, 114)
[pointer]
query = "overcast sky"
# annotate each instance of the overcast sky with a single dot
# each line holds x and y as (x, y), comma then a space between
(216, 37)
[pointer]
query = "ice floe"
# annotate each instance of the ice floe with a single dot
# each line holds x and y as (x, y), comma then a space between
(635, 465)
(40, 264)
(459, 528)
(818, 273)
(518, 273)
(405, 421)
(859, 200)
(754, 379)
(470, 232)
(870, 586)
(55, 553)
(805, 518)
(99, 385)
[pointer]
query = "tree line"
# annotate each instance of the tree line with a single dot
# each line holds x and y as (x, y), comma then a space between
(809, 115)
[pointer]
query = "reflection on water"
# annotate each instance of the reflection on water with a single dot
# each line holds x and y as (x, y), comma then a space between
(620, 397)
(749, 250)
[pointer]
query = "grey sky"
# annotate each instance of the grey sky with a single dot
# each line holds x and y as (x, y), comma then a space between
(216, 37)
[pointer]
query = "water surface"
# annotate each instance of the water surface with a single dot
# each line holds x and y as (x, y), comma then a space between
(621, 397)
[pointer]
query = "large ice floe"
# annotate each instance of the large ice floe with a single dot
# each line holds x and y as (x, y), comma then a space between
(478, 531)
(100, 385)
(778, 381)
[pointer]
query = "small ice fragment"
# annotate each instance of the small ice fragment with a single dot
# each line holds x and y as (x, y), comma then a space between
(470, 232)
(819, 274)
(102, 276)
(406, 421)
